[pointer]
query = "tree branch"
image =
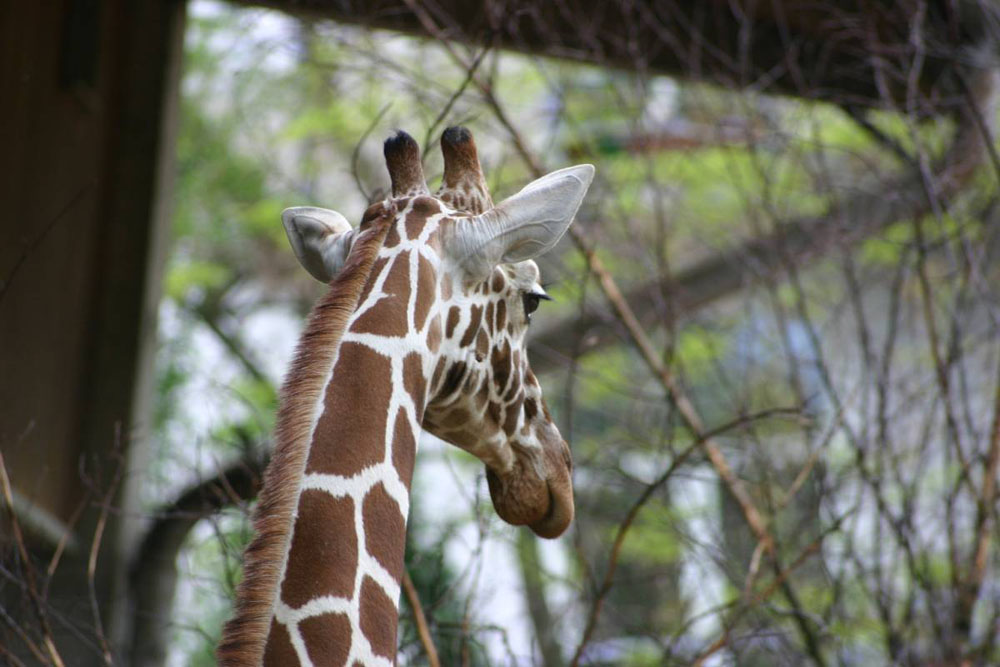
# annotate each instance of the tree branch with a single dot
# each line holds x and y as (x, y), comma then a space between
(766, 258)
(153, 575)
(421, 621)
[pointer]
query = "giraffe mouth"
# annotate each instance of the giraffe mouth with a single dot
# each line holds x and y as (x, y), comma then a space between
(557, 519)
(521, 497)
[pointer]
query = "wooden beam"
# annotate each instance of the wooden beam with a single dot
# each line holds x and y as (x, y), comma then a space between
(859, 54)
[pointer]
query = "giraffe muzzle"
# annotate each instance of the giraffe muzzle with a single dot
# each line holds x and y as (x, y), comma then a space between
(521, 497)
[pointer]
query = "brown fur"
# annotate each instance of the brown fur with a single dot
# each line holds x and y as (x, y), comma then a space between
(244, 636)
(463, 186)
(402, 158)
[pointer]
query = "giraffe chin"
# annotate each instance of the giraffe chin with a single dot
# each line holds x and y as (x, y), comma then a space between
(545, 507)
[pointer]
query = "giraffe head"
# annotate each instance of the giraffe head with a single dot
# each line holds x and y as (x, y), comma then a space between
(472, 290)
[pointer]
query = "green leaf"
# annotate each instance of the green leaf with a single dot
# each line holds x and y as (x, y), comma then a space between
(184, 277)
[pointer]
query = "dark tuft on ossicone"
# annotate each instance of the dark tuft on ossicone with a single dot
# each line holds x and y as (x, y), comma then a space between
(402, 158)
(463, 186)
(400, 145)
(456, 135)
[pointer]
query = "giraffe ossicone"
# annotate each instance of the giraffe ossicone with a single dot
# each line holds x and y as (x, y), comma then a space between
(423, 327)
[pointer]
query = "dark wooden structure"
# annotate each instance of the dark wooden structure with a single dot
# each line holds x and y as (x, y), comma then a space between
(89, 90)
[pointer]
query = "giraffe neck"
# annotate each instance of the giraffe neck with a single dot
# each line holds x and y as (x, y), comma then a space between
(302, 479)
(322, 576)
(338, 597)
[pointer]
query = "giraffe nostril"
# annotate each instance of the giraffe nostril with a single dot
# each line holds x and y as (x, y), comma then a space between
(480, 356)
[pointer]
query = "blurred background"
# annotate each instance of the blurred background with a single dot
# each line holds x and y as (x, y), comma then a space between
(773, 346)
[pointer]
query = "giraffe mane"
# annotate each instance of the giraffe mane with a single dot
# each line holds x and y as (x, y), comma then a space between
(245, 634)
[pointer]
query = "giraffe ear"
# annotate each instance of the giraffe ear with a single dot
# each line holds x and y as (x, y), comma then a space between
(523, 226)
(320, 238)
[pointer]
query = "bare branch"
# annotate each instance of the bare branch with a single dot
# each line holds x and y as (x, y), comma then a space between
(420, 620)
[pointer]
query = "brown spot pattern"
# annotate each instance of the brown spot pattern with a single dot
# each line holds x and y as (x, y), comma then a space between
(500, 359)
(423, 208)
(327, 638)
(495, 412)
(392, 238)
(475, 321)
(404, 447)
(470, 384)
(498, 280)
(425, 292)
(378, 618)
(483, 394)
(501, 315)
(388, 316)
(513, 412)
(438, 370)
(323, 556)
(413, 380)
(482, 345)
(434, 334)
(279, 649)
(515, 386)
(453, 379)
(377, 269)
(453, 316)
(385, 529)
(346, 440)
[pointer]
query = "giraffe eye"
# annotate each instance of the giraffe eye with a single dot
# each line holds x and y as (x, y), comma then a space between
(530, 303)
(530, 300)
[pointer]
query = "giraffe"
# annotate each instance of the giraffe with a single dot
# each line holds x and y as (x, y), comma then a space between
(422, 327)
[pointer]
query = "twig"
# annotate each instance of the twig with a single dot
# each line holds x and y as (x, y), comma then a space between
(7, 655)
(779, 579)
(820, 444)
(30, 247)
(356, 154)
(63, 542)
(95, 546)
(432, 129)
(858, 116)
(968, 594)
(623, 529)
(23, 636)
(29, 570)
(629, 520)
(680, 400)
(418, 617)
